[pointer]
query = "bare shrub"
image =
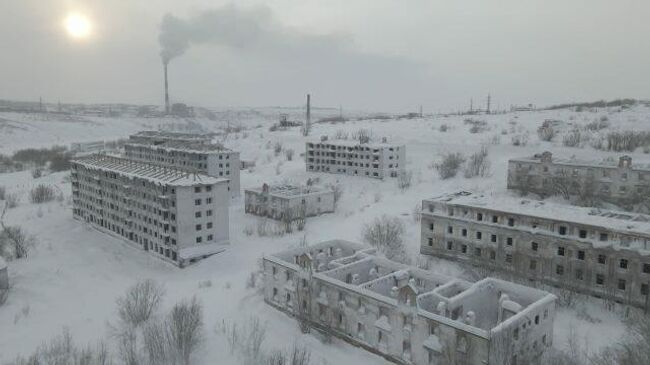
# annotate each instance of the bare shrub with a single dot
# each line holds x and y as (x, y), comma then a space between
(246, 340)
(626, 140)
(546, 132)
(362, 135)
(36, 173)
(41, 194)
(185, 322)
(386, 234)
(597, 125)
(520, 139)
(12, 200)
(338, 192)
(478, 164)
(61, 350)
(277, 148)
(15, 243)
(443, 128)
(450, 165)
(3, 193)
(157, 343)
(288, 153)
(404, 179)
(140, 302)
(572, 139)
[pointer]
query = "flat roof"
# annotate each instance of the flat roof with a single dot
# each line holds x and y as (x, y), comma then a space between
(182, 146)
(143, 170)
(288, 191)
(355, 143)
(625, 222)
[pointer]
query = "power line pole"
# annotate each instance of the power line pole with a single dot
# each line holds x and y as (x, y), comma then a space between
(489, 100)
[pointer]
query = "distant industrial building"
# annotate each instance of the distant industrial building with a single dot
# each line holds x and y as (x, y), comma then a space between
(405, 314)
(175, 215)
(617, 182)
(601, 253)
(375, 160)
(192, 153)
(288, 201)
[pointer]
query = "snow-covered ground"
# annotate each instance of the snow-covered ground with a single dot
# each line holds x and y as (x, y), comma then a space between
(74, 274)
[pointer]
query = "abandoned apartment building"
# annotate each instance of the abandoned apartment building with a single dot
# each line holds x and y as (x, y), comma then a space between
(617, 183)
(601, 253)
(376, 160)
(210, 159)
(175, 215)
(290, 202)
(405, 314)
(159, 137)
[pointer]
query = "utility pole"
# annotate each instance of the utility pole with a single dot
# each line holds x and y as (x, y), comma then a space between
(471, 105)
(489, 100)
(420, 110)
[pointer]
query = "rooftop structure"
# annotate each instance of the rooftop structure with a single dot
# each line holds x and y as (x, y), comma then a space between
(177, 216)
(406, 314)
(157, 137)
(614, 181)
(597, 252)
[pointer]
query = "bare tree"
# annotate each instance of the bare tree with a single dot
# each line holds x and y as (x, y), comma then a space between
(41, 194)
(15, 242)
(386, 233)
(478, 164)
(404, 179)
(140, 302)
(338, 192)
(450, 165)
(185, 323)
(288, 153)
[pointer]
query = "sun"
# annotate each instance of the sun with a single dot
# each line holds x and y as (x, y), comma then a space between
(77, 26)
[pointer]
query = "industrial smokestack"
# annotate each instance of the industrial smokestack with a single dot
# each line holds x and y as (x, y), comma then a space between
(308, 109)
(166, 90)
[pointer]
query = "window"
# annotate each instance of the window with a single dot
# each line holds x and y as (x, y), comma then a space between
(450, 230)
(198, 227)
(479, 235)
(600, 279)
(602, 259)
(581, 255)
(623, 264)
(646, 268)
(621, 284)
(197, 189)
(208, 201)
(430, 241)
(197, 215)
(431, 226)
(582, 233)
(199, 239)
(603, 236)
(580, 275)
(509, 241)
(493, 255)
(560, 251)
(644, 289)
(208, 213)
(208, 188)
(559, 269)
(464, 232)
(562, 230)
(197, 202)
(463, 248)
(493, 238)
(509, 258)
(511, 222)
(533, 265)
(208, 225)
(534, 246)
(450, 245)
(495, 219)
(479, 216)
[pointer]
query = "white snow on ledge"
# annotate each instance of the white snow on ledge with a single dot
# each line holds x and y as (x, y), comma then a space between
(189, 253)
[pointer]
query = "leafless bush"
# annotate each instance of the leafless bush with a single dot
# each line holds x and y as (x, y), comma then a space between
(386, 233)
(12, 200)
(246, 340)
(476, 126)
(546, 132)
(362, 135)
(185, 322)
(36, 173)
(41, 194)
(597, 125)
(443, 128)
(417, 212)
(140, 302)
(626, 140)
(450, 165)
(520, 139)
(61, 350)
(572, 139)
(277, 148)
(15, 243)
(127, 340)
(3, 193)
(288, 153)
(404, 179)
(478, 164)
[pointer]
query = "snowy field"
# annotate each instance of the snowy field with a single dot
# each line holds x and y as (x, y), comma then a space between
(74, 274)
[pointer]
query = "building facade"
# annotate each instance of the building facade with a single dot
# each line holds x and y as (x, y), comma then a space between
(4, 276)
(405, 314)
(159, 137)
(618, 183)
(174, 215)
(210, 159)
(288, 201)
(375, 160)
(601, 253)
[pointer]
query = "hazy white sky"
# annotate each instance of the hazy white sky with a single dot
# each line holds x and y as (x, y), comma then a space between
(389, 55)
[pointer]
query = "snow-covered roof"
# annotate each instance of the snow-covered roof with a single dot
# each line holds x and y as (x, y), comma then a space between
(623, 222)
(143, 170)
(183, 146)
(290, 191)
(353, 143)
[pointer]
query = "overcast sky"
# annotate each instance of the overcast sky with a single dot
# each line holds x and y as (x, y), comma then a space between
(381, 55)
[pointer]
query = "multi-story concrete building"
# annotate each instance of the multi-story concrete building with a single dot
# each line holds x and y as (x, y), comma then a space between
(175, 215)
(289, 201)
(602, 253)
(616, 182)
(405, 314)
(211, 159)
(376, 160)
(159, 137)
